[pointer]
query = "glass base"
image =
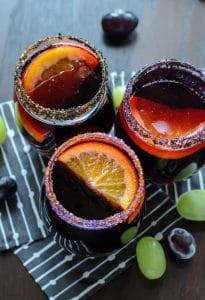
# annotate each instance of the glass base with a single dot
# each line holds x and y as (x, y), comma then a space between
(80, 246)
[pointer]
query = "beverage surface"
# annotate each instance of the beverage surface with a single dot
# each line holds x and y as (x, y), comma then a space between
(62, 77)
(171, 116)
(164, 120)
(168, 109)
(94, 180)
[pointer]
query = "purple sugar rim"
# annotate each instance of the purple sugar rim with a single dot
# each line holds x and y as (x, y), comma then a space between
(108, 222)
(188, 141)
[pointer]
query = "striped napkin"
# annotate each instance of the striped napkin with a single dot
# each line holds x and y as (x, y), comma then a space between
(20, 221)
(64, 275)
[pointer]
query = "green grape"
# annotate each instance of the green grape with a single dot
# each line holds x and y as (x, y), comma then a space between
(187, 172)
(117, 94)
(2, 131)
(129, 234)
(17, 117)
(150, 257)
(191, 205)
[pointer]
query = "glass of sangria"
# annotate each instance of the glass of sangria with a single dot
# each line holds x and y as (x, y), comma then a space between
(93, 192)
(162, 117)
(61, 89)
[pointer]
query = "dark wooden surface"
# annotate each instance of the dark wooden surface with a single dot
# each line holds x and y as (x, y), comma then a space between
(167, 29)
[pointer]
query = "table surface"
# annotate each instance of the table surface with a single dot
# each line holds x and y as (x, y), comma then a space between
(167, 29)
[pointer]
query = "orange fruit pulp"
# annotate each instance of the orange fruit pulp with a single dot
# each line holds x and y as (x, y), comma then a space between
(104, 169)
(163, 121)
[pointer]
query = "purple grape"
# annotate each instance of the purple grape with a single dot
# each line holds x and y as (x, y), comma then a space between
(182, 243)
(8, 187)
(119, 23)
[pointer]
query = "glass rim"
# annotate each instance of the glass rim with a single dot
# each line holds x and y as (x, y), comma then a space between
(185, 142)
(57, 116)
(94, 224)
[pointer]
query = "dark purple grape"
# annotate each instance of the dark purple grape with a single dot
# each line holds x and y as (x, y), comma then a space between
(8, 187)
(182, 243)
(119, 23)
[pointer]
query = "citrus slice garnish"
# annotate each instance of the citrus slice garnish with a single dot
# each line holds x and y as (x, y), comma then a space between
(55, 75)
(53, 61)
(147, 144)
(36, 129)
(105, 169)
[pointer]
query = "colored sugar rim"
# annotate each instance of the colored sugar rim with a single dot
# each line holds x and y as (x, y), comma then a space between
(108, 222)
(163, 143)
(59, 116)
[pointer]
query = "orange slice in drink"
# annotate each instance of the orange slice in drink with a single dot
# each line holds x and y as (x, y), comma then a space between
(173, 124)
(164, 121)
(37, 130)
(56, 74)
(104, 169)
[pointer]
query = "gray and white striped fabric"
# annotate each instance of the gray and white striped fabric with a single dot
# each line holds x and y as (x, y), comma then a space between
(60, 274)
(20, 221)
(63, 275)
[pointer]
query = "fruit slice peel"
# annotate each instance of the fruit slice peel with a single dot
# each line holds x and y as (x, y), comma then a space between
(105, 169)
(55, 58)
(157, 150)
(162, 120)
(37, 130)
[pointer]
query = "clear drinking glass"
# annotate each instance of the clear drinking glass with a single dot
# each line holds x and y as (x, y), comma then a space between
(75, 202)
(162, 117)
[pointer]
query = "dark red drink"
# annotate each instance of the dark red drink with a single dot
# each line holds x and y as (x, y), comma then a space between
(60, 91)
(163, 117)
(94, 192)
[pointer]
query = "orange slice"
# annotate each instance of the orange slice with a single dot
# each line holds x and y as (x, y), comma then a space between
(104, 169)
(153, 149)
(36, 129)
(53, 61)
